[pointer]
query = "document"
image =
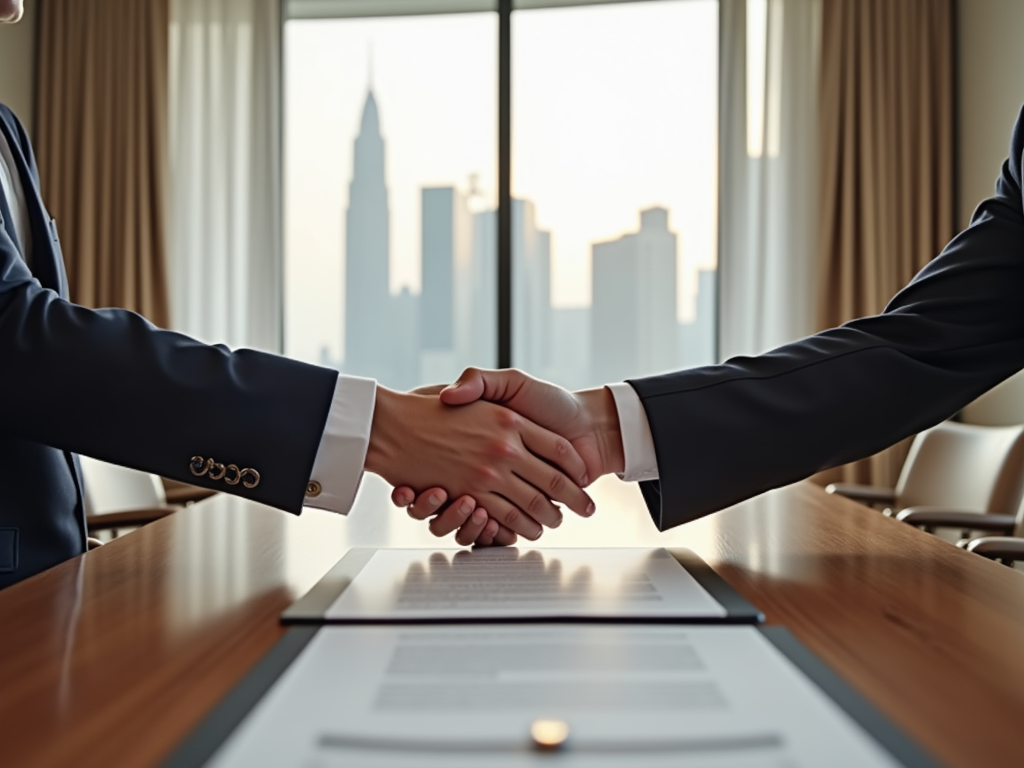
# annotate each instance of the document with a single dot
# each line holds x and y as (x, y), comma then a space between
(621, 696)
(504, 583)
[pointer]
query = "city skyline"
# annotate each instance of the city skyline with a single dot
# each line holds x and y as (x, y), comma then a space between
(588, 150)
(404, 338)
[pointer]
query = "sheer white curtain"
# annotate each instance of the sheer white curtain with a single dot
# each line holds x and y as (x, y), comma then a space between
(768, 173)
(225, 147)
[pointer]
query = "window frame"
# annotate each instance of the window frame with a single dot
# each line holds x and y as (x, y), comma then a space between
(328, 9)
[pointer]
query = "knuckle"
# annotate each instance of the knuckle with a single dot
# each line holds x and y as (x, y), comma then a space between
(508, 419)
(512, 517)
(557, 484)
(562, 446)
(538, 503)
(485, 476)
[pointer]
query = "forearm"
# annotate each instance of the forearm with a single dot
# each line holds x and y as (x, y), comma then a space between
(724, 433)
(110, 385)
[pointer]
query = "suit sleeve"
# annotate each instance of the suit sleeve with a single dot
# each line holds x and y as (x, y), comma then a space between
(108, 384)
(727, 432)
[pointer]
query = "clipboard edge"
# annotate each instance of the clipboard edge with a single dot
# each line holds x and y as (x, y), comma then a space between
(738, 609)
(312, 607)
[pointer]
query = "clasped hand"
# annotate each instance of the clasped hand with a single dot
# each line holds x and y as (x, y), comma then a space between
(500, 446)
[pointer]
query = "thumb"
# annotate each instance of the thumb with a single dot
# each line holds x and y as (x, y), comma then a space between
(475, 384)
(468, 388)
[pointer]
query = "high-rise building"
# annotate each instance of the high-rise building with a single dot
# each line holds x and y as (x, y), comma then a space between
(697, 338)
(447, 235)
(476, 328)
(531, 290)
(633, 312)
(368, 316)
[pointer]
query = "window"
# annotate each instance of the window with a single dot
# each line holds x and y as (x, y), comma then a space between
(614, 172)
(392, 190)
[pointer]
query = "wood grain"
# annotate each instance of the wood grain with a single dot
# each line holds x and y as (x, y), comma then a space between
(112, 658)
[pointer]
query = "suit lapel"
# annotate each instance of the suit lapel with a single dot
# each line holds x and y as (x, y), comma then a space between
(44, 258)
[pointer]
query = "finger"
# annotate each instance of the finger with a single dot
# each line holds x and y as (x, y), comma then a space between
(513, 517)
(403, 496)
(486, 538)
(556, 450)
(549, 484)
(428, 503)
(473, 528)
(454, 517)
(532, 500)
(475, 384)
(466, 389)
(504, 537)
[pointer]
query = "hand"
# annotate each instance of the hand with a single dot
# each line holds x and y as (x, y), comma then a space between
(510, 466)
(588, 419)
(480, 529)
(472, 525)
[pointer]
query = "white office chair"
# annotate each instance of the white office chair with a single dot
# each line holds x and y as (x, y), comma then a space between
(961, 476)
(117, 497)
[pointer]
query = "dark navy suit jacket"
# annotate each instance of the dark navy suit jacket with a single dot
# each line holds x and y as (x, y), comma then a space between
(108, 384)
(727, 432)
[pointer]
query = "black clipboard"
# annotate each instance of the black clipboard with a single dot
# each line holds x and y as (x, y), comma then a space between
(220, 723)
(313, 606)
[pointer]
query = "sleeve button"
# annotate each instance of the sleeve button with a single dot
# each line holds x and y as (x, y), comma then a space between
(313, 489)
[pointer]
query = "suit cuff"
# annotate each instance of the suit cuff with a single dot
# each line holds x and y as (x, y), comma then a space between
(338, 467)
(637, 443)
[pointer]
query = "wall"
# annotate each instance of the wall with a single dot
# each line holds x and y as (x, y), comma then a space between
(17, 65)
(991, 83)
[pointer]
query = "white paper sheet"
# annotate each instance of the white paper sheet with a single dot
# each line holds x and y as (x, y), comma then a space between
(501, 583)
(636, 696)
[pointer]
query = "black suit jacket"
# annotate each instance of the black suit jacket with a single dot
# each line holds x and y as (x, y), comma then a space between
(108, 384)
(727, 432)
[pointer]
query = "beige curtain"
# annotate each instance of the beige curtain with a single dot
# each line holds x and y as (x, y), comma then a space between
(102, 124)
(886, 163)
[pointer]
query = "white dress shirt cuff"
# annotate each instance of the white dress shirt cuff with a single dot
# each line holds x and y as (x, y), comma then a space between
(338, 467)
(637, 444)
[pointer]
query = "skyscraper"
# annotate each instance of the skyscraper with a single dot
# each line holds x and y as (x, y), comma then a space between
(531, 290)
(633, 313)
(367, 252)
(446, 251)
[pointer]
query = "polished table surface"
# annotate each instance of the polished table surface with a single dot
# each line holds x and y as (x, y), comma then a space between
(112, 658)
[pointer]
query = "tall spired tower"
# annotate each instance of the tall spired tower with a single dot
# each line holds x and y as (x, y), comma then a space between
(367, 250)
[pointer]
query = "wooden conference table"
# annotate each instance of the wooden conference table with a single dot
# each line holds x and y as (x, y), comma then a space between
(112, 658)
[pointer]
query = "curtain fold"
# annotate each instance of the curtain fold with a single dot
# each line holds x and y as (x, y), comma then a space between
(768, 174)
(886, 164)
(101, 147)
(225, 149)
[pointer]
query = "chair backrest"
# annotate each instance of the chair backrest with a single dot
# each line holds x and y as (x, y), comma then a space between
(964, 467)
(110, 488)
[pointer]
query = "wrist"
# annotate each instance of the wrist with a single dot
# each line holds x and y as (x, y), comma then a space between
(383, 444)
(603, 417)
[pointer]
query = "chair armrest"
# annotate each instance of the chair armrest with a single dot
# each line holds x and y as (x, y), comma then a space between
(128, 518)
(940, 517)
(177, 492)
(1005, 548)
(869, 494)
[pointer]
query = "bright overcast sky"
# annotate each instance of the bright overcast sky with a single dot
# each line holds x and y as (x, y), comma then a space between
(614, 110)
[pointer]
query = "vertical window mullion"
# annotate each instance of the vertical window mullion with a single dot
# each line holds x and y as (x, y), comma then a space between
(505, 184)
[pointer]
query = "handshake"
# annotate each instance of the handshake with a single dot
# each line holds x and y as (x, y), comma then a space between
(488, 455)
